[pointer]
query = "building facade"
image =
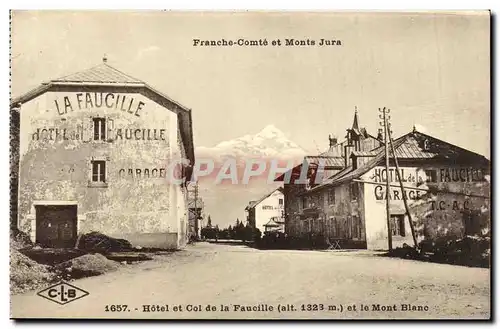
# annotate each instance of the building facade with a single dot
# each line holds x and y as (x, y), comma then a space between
(333, 161)
(447, 189)
(102, 151)
(269, 208)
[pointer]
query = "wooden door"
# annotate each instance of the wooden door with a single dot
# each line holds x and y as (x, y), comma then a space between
(56, 225)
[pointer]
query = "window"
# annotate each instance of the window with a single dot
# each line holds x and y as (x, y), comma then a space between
(98, 171)
(331, 196)
(280, 202)
(267, 207)
(99, 128)
(431, 176)
(321, 200)
(354, 191)
(398, 225)
(304, 202)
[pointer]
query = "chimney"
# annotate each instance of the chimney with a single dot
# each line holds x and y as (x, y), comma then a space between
(380, 135)
(332, 140)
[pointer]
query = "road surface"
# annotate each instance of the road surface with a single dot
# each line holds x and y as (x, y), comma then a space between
(236, 282)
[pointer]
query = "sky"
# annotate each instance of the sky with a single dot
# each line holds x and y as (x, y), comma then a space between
(431, 70)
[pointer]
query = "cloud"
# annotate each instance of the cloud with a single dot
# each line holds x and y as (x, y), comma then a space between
(146, 51)
(420, 128)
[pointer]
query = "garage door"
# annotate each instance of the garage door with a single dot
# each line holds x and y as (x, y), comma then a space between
(56, 225)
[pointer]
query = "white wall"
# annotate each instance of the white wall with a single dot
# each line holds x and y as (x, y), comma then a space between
(269, 208)
(59, 170)
(423, 207)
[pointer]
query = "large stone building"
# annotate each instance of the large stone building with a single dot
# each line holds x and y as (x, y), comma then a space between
(331, 162)
(101, 151)
(447, 189)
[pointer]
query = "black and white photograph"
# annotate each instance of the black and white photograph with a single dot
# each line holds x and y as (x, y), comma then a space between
(250, 165)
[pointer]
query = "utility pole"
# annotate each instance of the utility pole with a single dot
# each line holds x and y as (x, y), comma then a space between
(405, 201)
(385, 117)
(196, 210)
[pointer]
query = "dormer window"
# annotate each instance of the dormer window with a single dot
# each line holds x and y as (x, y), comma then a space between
(426, 145)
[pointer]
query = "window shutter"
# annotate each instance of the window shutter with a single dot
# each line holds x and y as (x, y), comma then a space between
(88, 130)
(110, 128)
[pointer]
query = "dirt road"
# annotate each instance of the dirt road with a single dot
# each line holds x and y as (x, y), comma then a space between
(274, 284)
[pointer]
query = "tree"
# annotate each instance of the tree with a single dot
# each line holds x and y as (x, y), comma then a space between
(209, 221)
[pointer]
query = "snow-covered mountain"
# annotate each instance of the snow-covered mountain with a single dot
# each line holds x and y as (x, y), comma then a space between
(270, 142)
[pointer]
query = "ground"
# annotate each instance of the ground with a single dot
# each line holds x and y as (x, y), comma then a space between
(338, 282)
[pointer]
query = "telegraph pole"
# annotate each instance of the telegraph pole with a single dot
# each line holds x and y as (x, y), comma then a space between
(385, 117)
(196, 210)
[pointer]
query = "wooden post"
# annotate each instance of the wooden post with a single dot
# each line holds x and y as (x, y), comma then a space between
(402, 190)
(387, 188)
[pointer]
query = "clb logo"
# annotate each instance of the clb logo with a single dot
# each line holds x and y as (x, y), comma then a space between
(62, 293)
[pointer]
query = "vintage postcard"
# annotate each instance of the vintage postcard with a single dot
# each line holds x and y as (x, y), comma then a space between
(250, 165)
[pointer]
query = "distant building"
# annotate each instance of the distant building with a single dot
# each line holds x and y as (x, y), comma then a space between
(269, 207)
(195, 207)
(275, 224)
(94, 152)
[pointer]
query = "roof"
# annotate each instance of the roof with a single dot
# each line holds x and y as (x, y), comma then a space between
(334, 150)
(364, 153)
(366, 166)
(274, 223)
(326, 160)
(409, 146)
(103, 73)
(252, 204)
(104, 76)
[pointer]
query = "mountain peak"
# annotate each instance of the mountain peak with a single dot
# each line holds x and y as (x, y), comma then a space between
(269, 142)
(270, 131)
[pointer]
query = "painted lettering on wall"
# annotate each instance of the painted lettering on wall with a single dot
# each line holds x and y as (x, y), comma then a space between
(397, 194)
(134, 173)
(77, 134)
(59, 134)
(138, 134)
(84, 101)
(429, 175)
(380, 175)
(450, 205)
(460, 175)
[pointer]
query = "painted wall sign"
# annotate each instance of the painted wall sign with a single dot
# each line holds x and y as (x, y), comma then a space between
(138, 134)
(413, 175)
(78, 133)
(58, 134)
(380, 175)
(82, 101)
(450, 205)
(460, 175)
(142, 173)
(397, 194)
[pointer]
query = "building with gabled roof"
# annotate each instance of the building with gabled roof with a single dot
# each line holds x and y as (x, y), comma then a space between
(447, 189)
(96, 152)
(269, 206)
(317, 169)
